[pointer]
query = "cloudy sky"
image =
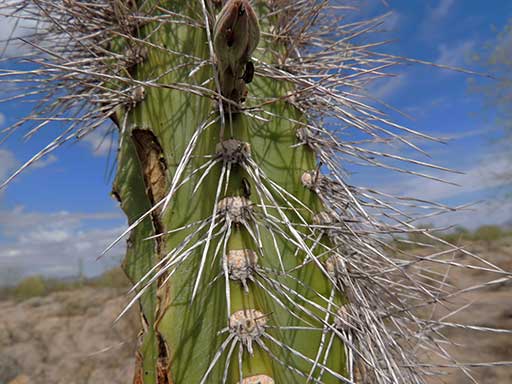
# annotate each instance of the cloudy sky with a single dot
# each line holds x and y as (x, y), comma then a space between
(59, 213)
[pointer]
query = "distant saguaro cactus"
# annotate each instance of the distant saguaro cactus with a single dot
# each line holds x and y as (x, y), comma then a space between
(252, 258)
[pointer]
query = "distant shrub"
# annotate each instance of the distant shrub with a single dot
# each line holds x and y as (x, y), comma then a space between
(29, 287)
(420, 236)
(488, 233)
(113, 278)
(462, 231)
(401, 244)
(57, 285)
(34, 286)
(458, 234)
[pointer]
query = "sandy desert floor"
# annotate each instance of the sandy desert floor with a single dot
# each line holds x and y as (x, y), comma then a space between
(69, 338)
(490, 307)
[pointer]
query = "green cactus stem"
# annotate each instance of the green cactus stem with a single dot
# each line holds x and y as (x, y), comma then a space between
(178, 330)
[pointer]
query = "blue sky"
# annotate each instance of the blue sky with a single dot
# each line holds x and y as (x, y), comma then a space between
(60, 211)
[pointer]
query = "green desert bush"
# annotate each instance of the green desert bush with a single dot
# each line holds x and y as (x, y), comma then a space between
(457, 235)
(488, 233)
(112, 278)
(29, 287)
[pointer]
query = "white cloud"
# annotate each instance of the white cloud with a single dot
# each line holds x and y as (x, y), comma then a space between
(12, 28)
(442, 9)
(12, 253)
(382, 89)
(14, 221)
(101, 141)
(496, 212)
(503, 47)
(44, 162)
(455, 55)
(7, 163)
(59, 270)
(482, 189)
(57, 243)
(483, 131)
(46, 236)
(435, 16)
(392, 21)
(2, 119)
(482, 176)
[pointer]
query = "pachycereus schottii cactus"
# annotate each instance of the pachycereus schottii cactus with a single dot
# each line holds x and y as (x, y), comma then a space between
(252, 258)
(235, 278)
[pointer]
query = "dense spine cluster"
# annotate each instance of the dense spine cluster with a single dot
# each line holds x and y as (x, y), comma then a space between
(253, 259)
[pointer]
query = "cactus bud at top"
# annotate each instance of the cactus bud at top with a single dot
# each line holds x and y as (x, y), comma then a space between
(236, 33)
(235, 37)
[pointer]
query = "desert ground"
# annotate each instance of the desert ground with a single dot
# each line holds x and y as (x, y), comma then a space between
(68, 336)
